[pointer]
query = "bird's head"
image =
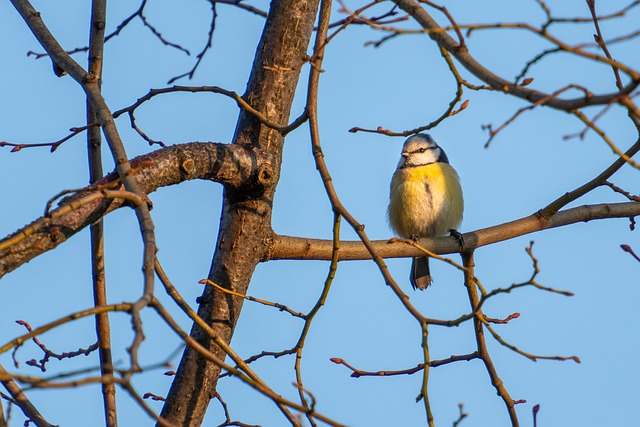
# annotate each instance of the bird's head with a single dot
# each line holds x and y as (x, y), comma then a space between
(419, 150)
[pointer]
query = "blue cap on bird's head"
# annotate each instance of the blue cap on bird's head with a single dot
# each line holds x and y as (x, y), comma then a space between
(422, 137)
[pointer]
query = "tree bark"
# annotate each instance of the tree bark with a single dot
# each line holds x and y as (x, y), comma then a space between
(245, 226)
(232, 165)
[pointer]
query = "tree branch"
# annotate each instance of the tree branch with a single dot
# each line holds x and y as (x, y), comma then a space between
(245, 223)
(235, 166)
(287, 247)
(461, 53)
(481, 344)
(22, 401)
(229, 164)
(94, 150)
(90, 83)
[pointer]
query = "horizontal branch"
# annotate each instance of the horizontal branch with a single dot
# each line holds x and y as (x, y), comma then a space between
(232, 165)
(238, 167)
(287, 247)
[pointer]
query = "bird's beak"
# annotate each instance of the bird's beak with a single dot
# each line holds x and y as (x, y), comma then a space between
(405, 154)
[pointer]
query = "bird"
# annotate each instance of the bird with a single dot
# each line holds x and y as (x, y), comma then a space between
(425, 199)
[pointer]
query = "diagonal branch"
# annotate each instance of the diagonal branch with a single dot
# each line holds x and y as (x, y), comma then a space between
(235, 166)
(570, 196)
(90, 83)
(22, 401)
(462, 54)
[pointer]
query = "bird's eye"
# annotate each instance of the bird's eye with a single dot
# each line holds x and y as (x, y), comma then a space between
(422, 150)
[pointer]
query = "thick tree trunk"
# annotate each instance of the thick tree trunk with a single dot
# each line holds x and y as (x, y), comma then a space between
(245, 226)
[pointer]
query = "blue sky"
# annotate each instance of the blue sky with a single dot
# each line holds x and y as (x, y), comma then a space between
(401, 85)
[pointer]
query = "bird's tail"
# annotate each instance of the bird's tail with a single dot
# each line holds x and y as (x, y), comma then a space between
(420, 275)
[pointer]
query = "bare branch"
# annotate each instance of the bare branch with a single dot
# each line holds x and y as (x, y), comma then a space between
(21, 400)
(439, 35)
(257, 300)
(630, 251)
(287, 247)
(207, 46)
(90, 83)
(357, 373)
(600, 41)
(232, 165)
(462, 416)
(483, 353)
(53, 145)
(569, 197)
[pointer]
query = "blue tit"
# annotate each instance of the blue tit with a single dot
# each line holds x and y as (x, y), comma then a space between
(425, 198)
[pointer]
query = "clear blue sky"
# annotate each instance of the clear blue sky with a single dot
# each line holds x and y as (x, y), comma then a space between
(401, 85)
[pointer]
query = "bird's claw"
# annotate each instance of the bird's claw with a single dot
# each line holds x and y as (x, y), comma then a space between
(455, 233)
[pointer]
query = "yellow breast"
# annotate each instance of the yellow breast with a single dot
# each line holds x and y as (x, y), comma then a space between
(425, 201)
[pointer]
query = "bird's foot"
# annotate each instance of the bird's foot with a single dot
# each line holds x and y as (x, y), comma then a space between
(455, 233)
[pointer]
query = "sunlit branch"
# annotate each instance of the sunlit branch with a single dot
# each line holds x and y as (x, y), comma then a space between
(454, 25)
(96, 172)
(53, 146)
(319, 303)
(78, 372)
(354, 17)
(213, 89)
(449, 112)
(287, 247)
(233, 165)
(207, 46)
(461, 417)
(602, 44)
(541, 101)
(357, 373)
(551, 209)
(41, 384)
(580, 115)
(90, 83)
(244, 373)
(314, 77)
(483, 353)
(279, 306)
(48, 353)
(529, 356)
(21, 400)
(227, 416)
(440, 36)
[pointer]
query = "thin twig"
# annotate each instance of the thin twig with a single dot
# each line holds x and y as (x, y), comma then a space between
(20, 399)
(243, 372)
(53, 146)
(94, 149)
(461, 417)
(207, 46)
(279, 306)
(90, 83)
(600, 41)
(483, 353)
(532, 357)
(357, 373)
